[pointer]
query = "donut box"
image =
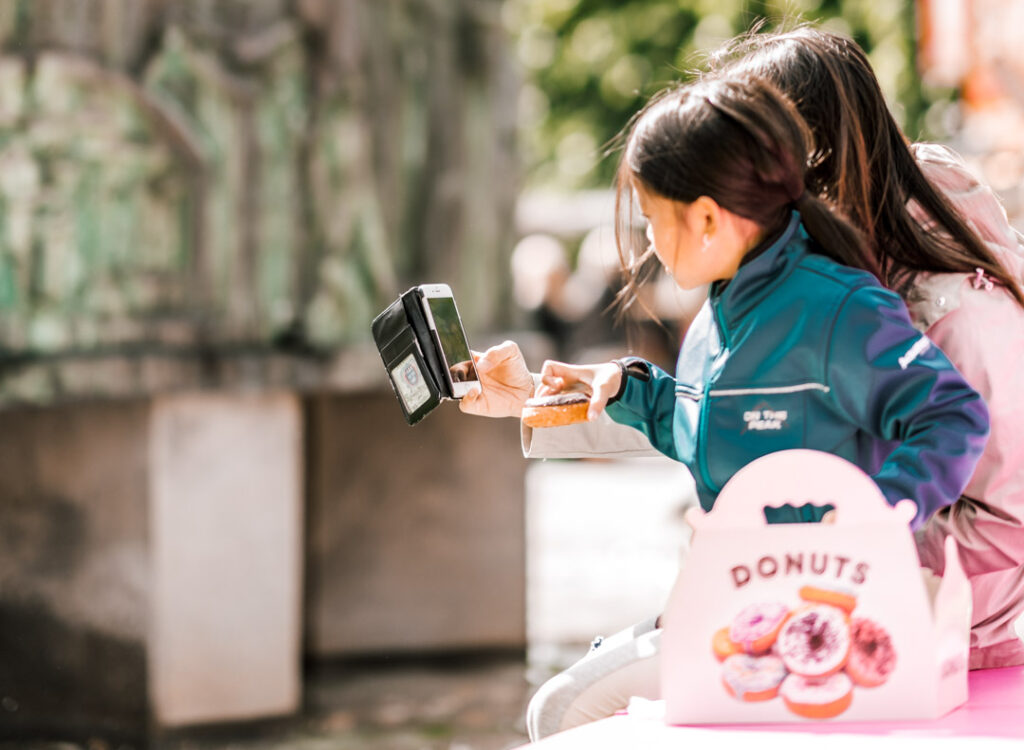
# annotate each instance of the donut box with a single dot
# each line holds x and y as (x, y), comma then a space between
(811, 622)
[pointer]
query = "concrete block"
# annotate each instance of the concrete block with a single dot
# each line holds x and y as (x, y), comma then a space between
(415, 534)
(226, 535)
(150, 564)
(74, 570)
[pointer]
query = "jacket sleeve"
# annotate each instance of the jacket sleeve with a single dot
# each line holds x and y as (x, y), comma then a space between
(650, 407)
(602, 438)
(887, 377)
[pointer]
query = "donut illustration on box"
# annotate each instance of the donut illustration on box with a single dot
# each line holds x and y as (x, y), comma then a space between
(812, 654)
(810, 622)
(815, 641)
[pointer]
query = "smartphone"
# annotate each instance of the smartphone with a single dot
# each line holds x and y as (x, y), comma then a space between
(446, 327)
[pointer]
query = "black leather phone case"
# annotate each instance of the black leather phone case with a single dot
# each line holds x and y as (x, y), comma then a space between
(411, 358)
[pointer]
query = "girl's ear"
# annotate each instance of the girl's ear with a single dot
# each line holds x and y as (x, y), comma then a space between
(707, 215)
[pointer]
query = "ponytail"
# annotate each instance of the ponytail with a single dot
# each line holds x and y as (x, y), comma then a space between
(835, 236)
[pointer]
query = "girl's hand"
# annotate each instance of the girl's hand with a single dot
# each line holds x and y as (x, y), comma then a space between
(601, 382)
(505, 383)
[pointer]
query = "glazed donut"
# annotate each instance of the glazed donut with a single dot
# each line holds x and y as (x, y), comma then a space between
(756, 627)
(815, 641)
(723, 646)
(872, 655)
(753, 678)
(817, 699)
(557, 410)
(836, 597)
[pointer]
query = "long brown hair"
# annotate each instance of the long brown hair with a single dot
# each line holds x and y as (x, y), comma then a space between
(860, 159)
(739, 141)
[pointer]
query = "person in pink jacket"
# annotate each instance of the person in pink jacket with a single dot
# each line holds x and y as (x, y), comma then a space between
(980, 326)
(945, 244)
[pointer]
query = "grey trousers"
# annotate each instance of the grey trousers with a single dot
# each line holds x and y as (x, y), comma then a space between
(601, 683)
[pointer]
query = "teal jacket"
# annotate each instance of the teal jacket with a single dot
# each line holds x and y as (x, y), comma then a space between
(798, 351)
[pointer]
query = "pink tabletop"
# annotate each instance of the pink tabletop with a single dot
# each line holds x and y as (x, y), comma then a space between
(994, 710)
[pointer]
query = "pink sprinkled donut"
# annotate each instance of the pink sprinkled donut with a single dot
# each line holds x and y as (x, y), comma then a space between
(815, 641)
(753, 678)
(872, 655)
(817, 699)
(756, 627)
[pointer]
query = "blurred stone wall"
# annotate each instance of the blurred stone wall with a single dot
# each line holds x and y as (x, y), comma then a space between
(198, 180)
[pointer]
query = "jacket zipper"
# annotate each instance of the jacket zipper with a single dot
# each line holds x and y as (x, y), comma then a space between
(702, 462)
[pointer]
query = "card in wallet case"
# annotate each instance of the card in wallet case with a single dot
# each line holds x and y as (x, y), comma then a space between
(410, 356)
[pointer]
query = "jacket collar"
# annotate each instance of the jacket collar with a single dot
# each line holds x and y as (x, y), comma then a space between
(770, 263)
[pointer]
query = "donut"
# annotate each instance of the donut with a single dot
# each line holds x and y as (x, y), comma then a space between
(872, 655)
(815, 641)
(753, 678)
(557, 410)
(817, 699)
(836, 597)
(723, 646)
(756, 626)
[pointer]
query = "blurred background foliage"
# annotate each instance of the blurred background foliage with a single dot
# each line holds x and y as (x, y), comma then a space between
(197, 179)
(590, 64)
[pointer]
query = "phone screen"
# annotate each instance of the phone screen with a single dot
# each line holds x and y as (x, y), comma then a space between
(453, 340)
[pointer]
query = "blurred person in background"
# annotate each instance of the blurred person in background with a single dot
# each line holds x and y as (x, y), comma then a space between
(568, 303)
(942, 240)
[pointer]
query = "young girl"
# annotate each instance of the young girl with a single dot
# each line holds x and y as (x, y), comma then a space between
(791, 329)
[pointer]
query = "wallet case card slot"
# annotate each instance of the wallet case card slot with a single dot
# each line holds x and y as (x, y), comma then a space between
(409, 377)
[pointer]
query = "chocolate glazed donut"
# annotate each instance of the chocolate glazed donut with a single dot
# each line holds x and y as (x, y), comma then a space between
(557, 410)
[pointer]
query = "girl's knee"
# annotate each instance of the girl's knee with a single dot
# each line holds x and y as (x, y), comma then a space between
(596, 686)
(549, 705)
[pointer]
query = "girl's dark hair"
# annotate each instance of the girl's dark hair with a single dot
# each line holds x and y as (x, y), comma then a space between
(860, 159)
(739, 141)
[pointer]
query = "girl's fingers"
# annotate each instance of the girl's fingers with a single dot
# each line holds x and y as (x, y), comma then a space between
(598, 400)
(596, 380)
(467, 402)
(550, 368)
(503, 353)
(604, 385)
(553, 382)
(544, 390)
(561, 375)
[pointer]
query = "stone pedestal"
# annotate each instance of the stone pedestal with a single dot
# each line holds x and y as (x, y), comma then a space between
(415, 534)
(226, 538)
(74, 569)
(150, 564)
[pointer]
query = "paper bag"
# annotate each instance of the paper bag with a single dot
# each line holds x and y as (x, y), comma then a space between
(811, 622)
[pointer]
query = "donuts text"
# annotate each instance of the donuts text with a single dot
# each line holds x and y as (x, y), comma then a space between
(799, 563)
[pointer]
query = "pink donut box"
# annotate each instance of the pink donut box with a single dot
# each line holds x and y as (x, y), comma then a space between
(738, 562)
